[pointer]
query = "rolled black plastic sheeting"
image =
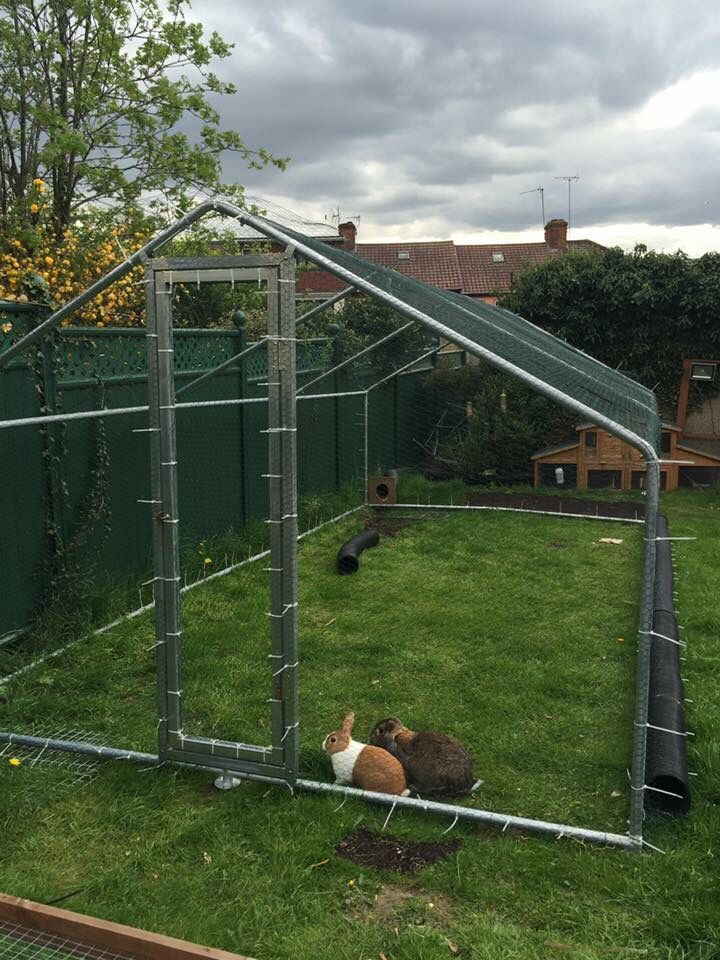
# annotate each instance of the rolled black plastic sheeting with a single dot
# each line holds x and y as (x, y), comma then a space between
(666, 766)
(347, 558)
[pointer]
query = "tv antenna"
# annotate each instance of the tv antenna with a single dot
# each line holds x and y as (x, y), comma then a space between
(541, 191)
(570, 181)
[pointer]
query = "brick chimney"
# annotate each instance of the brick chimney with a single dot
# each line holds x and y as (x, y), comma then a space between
(556, 234)
(348, 231)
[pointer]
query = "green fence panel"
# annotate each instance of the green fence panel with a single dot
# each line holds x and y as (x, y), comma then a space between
(102, 467)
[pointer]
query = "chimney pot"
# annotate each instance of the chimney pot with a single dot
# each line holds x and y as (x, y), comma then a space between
(347, 231)
(556, 234)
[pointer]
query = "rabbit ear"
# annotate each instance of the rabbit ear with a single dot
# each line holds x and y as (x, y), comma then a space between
(348, 723)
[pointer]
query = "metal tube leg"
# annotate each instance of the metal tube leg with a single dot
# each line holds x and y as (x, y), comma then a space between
(282, 470)
(642, 670)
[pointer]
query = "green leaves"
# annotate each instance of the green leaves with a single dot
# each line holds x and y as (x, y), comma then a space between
(92, 96)
(641, 311)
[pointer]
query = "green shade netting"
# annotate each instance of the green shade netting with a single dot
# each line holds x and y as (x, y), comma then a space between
(534, 352)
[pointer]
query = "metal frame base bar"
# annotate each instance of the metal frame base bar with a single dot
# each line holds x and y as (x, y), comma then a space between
(501, 820)
(460, 506)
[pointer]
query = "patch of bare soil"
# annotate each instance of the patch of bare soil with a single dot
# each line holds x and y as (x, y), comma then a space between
(388, 526)
(399, 906)
(388, 853)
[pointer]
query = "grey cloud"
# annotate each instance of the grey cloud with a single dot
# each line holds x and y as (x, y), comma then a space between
(447, 112)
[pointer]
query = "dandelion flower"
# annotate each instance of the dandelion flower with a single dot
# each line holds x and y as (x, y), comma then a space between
(15, 761)
(207, 560)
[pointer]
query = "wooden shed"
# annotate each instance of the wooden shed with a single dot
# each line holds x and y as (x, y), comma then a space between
(596, 459)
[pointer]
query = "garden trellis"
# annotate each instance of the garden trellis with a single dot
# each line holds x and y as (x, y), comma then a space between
(511, 344)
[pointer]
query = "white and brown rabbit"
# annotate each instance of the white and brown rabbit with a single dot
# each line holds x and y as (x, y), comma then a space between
(369, 768)
(434, 763)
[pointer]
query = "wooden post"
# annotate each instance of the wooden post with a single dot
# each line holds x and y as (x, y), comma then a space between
(113, 937)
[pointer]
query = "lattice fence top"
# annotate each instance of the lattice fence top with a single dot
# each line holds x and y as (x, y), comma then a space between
(87, 355)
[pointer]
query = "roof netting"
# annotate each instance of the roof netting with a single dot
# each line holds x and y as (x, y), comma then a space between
(580, 378)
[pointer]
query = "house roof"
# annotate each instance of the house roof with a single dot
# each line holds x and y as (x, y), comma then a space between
(434, 262)
(483, 272)
(477, 270)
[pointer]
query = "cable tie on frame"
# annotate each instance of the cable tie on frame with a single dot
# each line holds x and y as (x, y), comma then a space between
(293, 726)
(387, 818)
(287, 666)
(678, 733)
(668, 793)
(122, 249)
(451, 825)
(662, 636)
(646, 844)
(650, 539)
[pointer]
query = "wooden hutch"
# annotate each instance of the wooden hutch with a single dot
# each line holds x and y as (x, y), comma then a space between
(597, 459)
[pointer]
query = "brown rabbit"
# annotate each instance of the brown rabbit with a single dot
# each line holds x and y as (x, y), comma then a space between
(369, 768)
(434, 763)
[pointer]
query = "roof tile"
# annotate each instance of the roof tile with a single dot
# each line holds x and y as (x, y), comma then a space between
(466, 268)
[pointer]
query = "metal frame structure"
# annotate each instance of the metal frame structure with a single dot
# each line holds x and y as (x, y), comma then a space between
(278, 762)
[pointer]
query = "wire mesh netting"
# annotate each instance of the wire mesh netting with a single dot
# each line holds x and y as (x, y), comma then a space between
(392, 412)
(509, 338)
(19, 942)
(66, 768)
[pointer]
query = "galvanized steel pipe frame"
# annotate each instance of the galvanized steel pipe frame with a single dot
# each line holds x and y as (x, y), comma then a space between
(647, 451)
(642, 679)
(173, 743)
(501, 820)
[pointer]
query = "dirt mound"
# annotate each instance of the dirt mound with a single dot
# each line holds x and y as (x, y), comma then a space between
(368, 849)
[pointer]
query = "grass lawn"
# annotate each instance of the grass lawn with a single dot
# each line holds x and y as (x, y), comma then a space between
(514, 632)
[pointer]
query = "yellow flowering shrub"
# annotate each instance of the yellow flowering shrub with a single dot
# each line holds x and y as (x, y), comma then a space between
(73, 264)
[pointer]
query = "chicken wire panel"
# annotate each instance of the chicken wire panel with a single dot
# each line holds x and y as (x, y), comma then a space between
(20, 942)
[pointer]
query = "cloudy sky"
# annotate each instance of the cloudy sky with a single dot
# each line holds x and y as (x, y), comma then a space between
(429, 119)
